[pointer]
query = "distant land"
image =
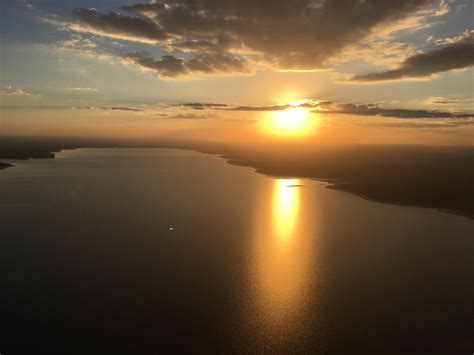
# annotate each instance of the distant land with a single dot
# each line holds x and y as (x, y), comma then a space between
(425, 176)
(5, 165)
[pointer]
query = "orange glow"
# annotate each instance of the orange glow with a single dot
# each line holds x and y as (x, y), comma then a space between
(290, 122)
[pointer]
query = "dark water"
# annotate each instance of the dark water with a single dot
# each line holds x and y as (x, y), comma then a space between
(147, 250)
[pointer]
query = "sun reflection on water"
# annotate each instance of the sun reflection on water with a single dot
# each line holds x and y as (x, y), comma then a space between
(285, 208)
(281, 264)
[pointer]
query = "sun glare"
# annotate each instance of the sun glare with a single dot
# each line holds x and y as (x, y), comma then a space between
(291, 119)
(290, 122)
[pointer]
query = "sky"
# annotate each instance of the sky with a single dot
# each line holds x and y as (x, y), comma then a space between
(366, 71)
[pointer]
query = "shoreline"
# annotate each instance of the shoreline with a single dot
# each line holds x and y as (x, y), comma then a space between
(5, 165)
(344, 186)
(262, 167)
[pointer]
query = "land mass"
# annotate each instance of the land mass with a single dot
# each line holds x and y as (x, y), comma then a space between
(426, 176)
(5, 165)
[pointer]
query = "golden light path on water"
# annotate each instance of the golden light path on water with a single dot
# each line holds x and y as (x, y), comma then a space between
(285, 209)
(282, 260)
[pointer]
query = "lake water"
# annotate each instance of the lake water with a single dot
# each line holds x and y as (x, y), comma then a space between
(137, 250)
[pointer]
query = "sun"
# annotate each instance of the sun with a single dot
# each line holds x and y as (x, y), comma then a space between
(290, 122)
(291, 119)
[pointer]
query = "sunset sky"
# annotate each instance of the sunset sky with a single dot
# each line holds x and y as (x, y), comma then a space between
(367, 71)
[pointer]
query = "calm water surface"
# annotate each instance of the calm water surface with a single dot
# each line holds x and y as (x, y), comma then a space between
(134, 251)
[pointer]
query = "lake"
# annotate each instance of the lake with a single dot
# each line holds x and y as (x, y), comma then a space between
(138, 250)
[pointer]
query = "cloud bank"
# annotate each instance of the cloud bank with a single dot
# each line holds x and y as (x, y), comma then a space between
(231, 36)
(374, 110)
(329, 107)
(458, 53)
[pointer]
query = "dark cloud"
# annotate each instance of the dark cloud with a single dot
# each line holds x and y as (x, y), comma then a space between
(206, 63)
(262, 108)
(456, 118)
(421, 124)
(145, 8)
(113, 108)
(318, 106)
(117, 25)
(307, 103)
(201, 106)
(213, 106)
(298, 34)
(456, 55)
(374, 110)
(120, 108)
(191, 116)
(219, 44)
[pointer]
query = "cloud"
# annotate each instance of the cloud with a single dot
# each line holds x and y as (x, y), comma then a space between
(329, 107)
(207, 63)
(120, 108)
(85, 47)
(219, 44)
(308, 103)
(383, 46)
(85, 90)
(158, 111)
(201, 106)
(457, 54)
(378, 50)
(449, 101)
(77, 42)
(262, 108)
(466, 36)
(305, 103)
(117, 26)
(374, 110)
(191, 116)
(225, 36)
(422, 124)
(10, 91)
(113, 108)
(443, 9)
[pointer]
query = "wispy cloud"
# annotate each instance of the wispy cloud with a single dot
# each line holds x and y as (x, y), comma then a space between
(10, 91)
(173, 111)
(449, 101)
(191, 116)
(200, 106)
(112, 108)
(84, 90)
